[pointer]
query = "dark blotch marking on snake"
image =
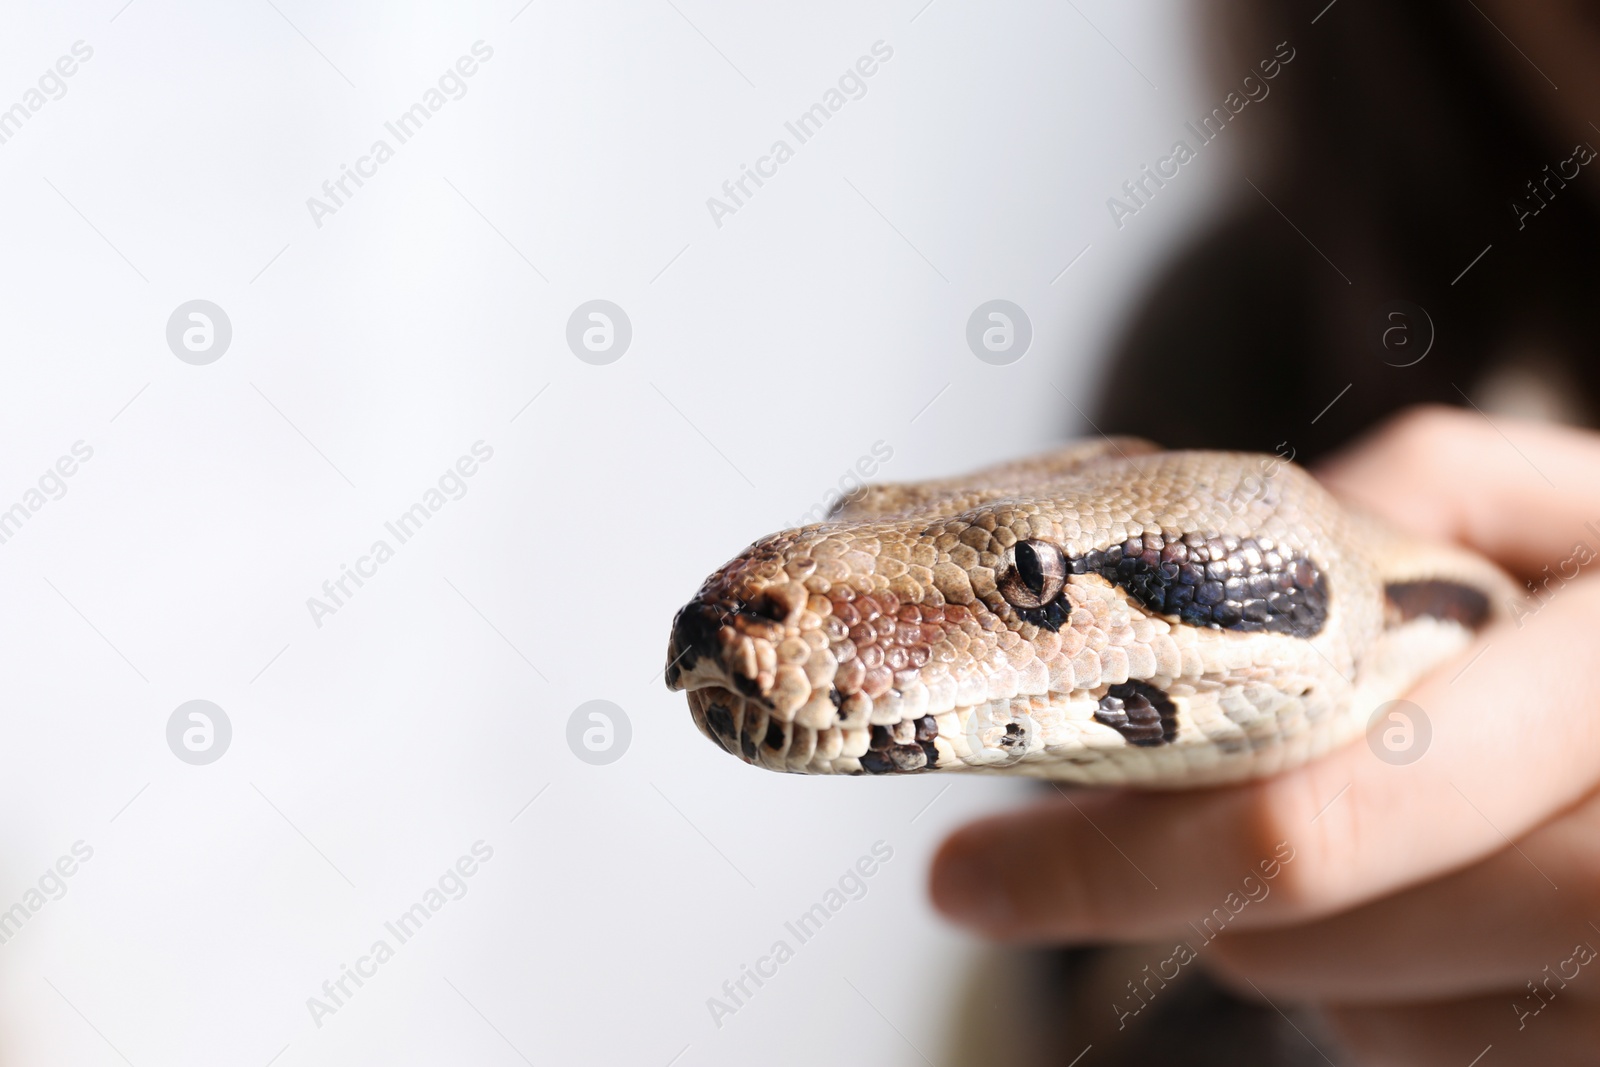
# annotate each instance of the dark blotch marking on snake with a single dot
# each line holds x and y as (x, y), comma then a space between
(1438, 598)
(720, 719)
(927, 730)
(1141, 713)
(1228, 583)
(774, 739)
(887, 756)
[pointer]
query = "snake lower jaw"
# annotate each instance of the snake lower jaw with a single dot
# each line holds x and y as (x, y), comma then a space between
(749, 728)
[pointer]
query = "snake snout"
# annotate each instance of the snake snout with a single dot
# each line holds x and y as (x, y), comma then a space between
(694, 637)
(728, 634)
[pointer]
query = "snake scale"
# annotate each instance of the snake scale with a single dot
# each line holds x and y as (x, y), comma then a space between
(1108, 614)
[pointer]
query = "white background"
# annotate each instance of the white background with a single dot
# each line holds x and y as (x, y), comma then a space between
(768, 355)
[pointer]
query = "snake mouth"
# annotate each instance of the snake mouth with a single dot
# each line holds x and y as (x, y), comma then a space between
(689, 671)
(749, 728)
(720, 713)
(738, 721)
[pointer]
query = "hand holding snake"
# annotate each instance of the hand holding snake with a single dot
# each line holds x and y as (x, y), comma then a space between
(1425, 901)
(1432, 909)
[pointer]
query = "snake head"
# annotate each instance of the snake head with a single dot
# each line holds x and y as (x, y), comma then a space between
(1106, 613)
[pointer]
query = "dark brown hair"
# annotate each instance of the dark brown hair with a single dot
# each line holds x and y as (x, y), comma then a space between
(1396, 142)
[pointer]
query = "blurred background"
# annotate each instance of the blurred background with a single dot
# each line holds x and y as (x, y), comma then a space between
(227, 379)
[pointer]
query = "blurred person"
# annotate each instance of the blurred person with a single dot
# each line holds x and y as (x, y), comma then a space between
(1434, 161)
(1402, 141)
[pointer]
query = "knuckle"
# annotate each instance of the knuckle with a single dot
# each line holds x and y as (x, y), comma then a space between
(1417, 433)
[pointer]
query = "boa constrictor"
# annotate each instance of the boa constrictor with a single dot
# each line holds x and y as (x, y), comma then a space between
(1109, 613)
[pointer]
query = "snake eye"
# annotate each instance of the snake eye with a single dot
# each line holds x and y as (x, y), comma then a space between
(1037, 572)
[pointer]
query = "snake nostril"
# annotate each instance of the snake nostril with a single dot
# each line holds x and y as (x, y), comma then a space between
(767, 606)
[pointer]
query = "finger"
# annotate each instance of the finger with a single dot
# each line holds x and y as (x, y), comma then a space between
(1514, 742)
(1526, 914)
(1482, 1032)
(1518, 492)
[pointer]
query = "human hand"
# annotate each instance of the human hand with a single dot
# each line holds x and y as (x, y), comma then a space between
(1430, 910)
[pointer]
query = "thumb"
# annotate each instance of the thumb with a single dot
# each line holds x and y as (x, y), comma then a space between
(1522, 493)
